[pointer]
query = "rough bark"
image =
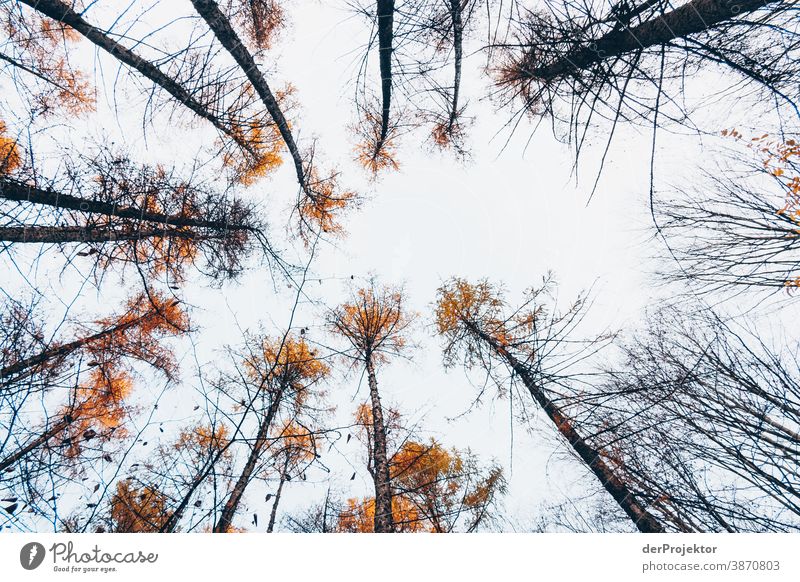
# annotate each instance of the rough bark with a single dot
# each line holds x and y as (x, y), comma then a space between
(384, 522)
(458, 33)
(691, 18)
(385, 16)
(90, 234)
(24, 451)
(232, 504)
(226, 35)
(593, 459)
(63, 13)
(19, 192)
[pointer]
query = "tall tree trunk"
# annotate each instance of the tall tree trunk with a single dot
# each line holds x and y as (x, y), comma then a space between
(385, 14)
(232, 504)
(690, 18)
(226, 35)
(458, 33)
(92, 234)
(644, 521)
(63, 350)
(384, 522)
(275, 503)
(16, 191)
(24, 451)
(62, 12)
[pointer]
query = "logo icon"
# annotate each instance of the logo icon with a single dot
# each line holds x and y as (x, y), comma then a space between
(31, 555)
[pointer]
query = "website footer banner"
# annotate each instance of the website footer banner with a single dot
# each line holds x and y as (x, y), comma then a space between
(379, 558)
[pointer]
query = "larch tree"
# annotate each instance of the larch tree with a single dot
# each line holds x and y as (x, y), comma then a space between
(702, 415)
(114, 212)
(95, 407)
(296, 449)
(616, 62)
(218, 78)
(277, 375)
(433, 490)
(420, 48)
(739, 227)
(374, 323)
(532, 342)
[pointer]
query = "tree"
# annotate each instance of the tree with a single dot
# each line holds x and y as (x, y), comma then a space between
(128, 215)
(374, 323)
(416, 42)
(238, 102)
(137, 509)
(448, 489)
(740, 229)
(578, 62)
(282, 372)
(471, 320)
(296, 450)
(36, 55)
(200, 91)
(95, 407)
(701, 416)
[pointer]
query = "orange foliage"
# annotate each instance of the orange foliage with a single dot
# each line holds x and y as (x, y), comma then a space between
(138, 332)
(321, 203)
(10, 159)
(264, 142)
(203, 438)
(286, 363)
(43, 42)
(262, 20)
(138, 510)
(297, 442)
(258, 138)
(359, 516)
(372, 152)
(443, 484)
(99, 409)
(459, 302)
(374, 321)
(782, 160)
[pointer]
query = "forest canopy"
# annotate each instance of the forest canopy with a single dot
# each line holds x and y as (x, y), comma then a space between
(398, 266)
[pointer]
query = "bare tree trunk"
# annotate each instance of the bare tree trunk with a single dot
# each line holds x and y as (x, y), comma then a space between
(232, 504)
(35, 443)
(274, 511)
(63, 350)
(62, 12)
(384, 522)
(593, 459)
(19, 192)
(226, 35)
(90, 234)
(385, 14)
(690, 18)
(458, 33)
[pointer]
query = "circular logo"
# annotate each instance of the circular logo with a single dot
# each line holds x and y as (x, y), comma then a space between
(31, 555)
